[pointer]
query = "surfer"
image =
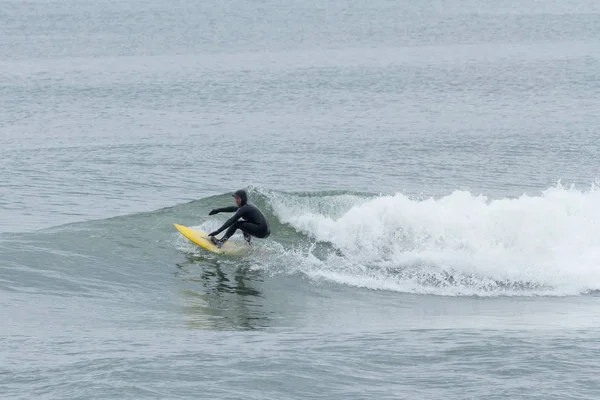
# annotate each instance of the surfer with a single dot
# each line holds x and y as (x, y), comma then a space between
(247, 218)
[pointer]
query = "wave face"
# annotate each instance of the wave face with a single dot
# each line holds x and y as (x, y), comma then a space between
(460, 244)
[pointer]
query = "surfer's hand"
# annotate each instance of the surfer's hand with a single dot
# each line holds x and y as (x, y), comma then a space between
(212, 212)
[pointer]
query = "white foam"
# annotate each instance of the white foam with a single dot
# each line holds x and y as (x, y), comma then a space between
(458, 244)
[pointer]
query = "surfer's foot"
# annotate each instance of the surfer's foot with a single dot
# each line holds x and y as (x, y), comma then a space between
(216, 242)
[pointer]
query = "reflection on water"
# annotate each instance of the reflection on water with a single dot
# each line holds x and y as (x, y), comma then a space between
(221, 294)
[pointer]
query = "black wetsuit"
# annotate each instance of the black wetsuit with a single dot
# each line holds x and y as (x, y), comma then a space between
(248, 218)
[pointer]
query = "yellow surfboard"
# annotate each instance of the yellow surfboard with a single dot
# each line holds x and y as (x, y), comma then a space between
(202, 240)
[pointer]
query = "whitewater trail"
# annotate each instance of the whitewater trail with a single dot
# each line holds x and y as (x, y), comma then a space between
(460, 244)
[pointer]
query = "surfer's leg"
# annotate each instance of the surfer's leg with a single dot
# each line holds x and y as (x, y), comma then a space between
(248, 238)
(251, 229)
(226, 236)
(248, 228)
(236, 225)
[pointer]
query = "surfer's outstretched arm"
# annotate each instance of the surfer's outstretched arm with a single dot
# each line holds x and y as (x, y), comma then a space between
(224, 209)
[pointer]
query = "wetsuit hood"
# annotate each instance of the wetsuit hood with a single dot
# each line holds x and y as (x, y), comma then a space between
(242, 195)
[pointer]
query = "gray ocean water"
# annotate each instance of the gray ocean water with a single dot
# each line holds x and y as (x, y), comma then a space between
(430, 171)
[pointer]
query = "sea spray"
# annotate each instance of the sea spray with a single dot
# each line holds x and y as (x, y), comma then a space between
(457, 244)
